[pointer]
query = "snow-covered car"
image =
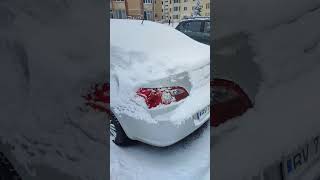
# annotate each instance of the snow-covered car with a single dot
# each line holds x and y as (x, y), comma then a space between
(159, 83)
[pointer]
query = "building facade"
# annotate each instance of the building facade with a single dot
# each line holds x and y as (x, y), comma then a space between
(156, 10)
(205, 8)
(135, 9)
(179, 9)
(119, 10)
(148, 8)
(165, 9)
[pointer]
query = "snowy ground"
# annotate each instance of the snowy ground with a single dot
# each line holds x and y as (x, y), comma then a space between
(186, 160)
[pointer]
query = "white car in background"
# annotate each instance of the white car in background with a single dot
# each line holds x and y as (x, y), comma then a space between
(160, 83)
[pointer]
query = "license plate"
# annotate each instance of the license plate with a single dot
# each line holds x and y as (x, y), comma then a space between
(202, 113)
(301, 159)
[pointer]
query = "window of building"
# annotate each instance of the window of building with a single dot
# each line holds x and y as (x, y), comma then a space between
(208, 6)
(119, 14)
(176, 1)
(148, 14)
(185, 0)
(147, 1)
(175, 16)
(185, 8)
(175, 8)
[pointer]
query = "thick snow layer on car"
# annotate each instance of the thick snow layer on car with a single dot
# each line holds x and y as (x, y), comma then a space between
(152, 51)
(286, 107)
(163, 50)
(149, 51)
(186, 160)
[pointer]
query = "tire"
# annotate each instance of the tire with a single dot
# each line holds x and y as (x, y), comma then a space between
(7, 171)
(117, 134)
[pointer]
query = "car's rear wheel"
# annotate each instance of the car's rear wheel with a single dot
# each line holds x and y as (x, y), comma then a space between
(117, 134)
(7, 171)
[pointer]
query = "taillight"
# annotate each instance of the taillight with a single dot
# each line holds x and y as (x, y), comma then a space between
(221, 94)
(225, 91)
(228, 100)
(166, 95)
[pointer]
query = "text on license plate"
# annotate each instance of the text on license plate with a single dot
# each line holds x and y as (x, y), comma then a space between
(203, 112)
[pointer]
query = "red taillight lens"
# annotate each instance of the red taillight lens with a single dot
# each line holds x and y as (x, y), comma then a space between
(228, 100)
(166, 95)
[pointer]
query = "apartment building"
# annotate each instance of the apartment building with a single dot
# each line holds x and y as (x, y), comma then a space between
(135, 9)
(165, 9)
(205, 8)
(148, 8)
(119, 10)
(158, 10)
(179, 9)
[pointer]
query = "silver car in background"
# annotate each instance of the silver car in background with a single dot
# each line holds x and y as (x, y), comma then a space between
(159, 83)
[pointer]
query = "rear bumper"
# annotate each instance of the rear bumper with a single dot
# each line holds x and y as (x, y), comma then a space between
(162, 133)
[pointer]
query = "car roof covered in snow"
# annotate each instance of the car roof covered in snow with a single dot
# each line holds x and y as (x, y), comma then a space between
(156, 44)
(201, 18)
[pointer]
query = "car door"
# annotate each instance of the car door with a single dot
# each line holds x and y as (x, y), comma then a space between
(193, 29)
(204, 37)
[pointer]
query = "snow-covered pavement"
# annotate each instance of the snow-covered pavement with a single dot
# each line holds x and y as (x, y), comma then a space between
(189, 159)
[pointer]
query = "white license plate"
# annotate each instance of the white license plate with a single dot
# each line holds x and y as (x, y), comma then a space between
(301, 159)
(202, 113)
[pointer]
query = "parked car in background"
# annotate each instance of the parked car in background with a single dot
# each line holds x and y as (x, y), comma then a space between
(198, 28)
